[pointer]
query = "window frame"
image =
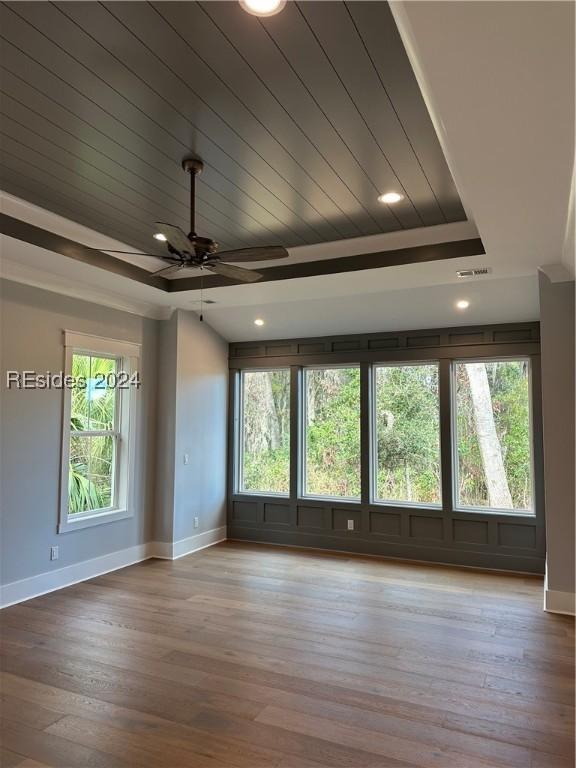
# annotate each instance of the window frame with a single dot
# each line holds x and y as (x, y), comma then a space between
(443, 355)
(373, 456)
(303, 432)
(462, 508)
(114, 433)
(127, 355)
(239, 441)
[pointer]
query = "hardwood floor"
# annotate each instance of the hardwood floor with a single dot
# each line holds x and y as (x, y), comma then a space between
(249, 656)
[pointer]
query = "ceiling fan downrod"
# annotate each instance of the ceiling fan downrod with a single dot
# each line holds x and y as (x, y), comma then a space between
(194, 167)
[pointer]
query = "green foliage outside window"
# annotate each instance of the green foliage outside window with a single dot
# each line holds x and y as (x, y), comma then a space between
(91, 462)
(333, 432)
(266, 431)
(407, 426)
(492, 440)
(493, 434)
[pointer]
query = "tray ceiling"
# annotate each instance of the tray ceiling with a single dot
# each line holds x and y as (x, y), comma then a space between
(302, 120)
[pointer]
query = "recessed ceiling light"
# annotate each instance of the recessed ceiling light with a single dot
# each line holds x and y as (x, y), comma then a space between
(160, 236)
(390, 197)
(258, 321)
(263, 7)
(463, 304)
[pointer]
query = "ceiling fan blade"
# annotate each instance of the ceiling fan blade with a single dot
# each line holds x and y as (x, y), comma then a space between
(127, 253)
(261, 253)
(165, 271)
(176, 237)
(235, 273)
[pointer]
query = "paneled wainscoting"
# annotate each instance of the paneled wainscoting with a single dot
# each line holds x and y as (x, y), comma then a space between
(490, 541)
(254, 656)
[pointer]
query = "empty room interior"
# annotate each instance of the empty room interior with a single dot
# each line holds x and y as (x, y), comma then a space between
(287, 401)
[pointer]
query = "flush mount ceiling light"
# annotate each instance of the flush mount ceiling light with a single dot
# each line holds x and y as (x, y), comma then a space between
(160, 236)
(463, 304)
(390, 197)
(262, 7)
(259, 321)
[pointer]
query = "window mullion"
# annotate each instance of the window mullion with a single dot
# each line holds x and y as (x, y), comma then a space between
(241, 429)
(447, 468)
(296, 433)
(367, 460)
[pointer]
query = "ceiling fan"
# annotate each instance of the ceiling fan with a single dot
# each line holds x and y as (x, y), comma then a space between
(190, 251)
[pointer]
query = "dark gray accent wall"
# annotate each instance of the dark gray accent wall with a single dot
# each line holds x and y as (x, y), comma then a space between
(480, 539)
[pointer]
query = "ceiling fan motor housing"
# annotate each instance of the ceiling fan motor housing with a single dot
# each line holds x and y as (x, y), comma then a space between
(193, 165)
(203, 246)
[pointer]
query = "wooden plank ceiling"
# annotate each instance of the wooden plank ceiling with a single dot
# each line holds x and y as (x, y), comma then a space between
(302, 120)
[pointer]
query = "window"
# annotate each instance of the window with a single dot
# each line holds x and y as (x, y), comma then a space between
(93, 434)
(332, 432)
(96, 450)
(493, 435)
(406, 434)
(485, 418)
(265, 432)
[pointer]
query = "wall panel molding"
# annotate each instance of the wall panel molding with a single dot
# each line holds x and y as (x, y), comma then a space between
(429, 344)
(397, 550)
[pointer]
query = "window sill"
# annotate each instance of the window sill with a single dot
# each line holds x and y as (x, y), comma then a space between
(90, 521)
(265, 494)
(524, 514)
(435, 507)
(339, 499)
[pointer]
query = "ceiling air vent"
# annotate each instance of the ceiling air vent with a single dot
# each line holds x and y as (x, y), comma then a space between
(474, 272)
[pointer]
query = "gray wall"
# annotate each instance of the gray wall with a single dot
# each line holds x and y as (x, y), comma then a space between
(32, 321)
(193, 420)
(166, 426)
(557, 340)
(182, 409)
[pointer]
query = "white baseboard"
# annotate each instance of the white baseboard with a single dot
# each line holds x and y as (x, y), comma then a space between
(162, 550)
(34, 586)
(49, 581)
(174, 550)
(559, 602)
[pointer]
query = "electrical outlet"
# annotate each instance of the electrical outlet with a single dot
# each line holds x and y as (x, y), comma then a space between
(186, 458)
(54, 553)
(350, 525)
(196, 522)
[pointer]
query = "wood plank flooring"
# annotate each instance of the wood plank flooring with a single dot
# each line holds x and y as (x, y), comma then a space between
(248, 656)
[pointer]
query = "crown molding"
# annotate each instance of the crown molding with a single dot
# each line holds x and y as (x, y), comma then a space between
(38, 278)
